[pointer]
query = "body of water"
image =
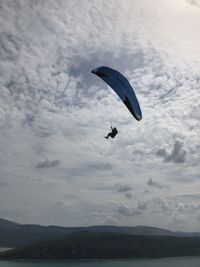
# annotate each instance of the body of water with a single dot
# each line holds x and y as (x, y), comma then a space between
(165, 262)
(4, 249)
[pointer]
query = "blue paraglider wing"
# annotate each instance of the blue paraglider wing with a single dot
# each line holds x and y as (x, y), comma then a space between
(122, 88)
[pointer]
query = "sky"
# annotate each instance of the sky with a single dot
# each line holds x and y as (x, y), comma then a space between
(56, 167)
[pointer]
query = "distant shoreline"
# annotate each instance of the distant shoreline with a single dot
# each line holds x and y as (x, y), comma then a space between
(110, 260)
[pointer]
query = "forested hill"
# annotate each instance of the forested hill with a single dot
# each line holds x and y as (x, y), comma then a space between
(14, 234)
(92, 245)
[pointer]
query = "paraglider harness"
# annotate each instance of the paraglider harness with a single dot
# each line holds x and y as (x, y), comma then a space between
(113, 133)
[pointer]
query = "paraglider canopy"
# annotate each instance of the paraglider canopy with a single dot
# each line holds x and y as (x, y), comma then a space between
(122, 88)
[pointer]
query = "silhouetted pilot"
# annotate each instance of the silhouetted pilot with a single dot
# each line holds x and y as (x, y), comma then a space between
(113, 133)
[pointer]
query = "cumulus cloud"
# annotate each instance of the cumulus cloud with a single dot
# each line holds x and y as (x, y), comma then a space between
(125, 210)
(138, 209)
(142, 205)
(177, 155)
(128, 194)
(194, 2)
(176, 210)
(161, 203)
(153, 183)
(47, 164)
(181, 207)
(123, 188)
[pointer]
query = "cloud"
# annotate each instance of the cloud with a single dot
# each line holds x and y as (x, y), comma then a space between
(123, 188)
(110, 220)
(175, 208)
(89, 168)
(153, 183)
(142, 205)
(47, 164)
(161, 203)
(128, 194)
(181, 207)
(188, 196)
(194, 2)
(177, 155)
(126, 211)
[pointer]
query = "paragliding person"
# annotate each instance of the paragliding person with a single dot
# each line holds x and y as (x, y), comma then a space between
(123, 89)
(113, 133)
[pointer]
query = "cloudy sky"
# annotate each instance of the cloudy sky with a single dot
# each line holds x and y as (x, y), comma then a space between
(55, 165)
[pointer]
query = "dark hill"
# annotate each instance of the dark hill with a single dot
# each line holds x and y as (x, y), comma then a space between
(15, 234)
(8, 224)
(92, 245)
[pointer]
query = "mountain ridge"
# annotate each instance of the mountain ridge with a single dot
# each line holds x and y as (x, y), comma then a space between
(14, 234)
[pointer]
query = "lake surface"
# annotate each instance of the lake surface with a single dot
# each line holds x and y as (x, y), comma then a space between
(4, 249)
(165, 262)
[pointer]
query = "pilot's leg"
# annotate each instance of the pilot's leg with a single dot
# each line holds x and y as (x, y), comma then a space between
(110, 134)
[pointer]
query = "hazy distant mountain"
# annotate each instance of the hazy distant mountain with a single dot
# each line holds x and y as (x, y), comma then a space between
(8, 224)
(15, 234)
(93, 245)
